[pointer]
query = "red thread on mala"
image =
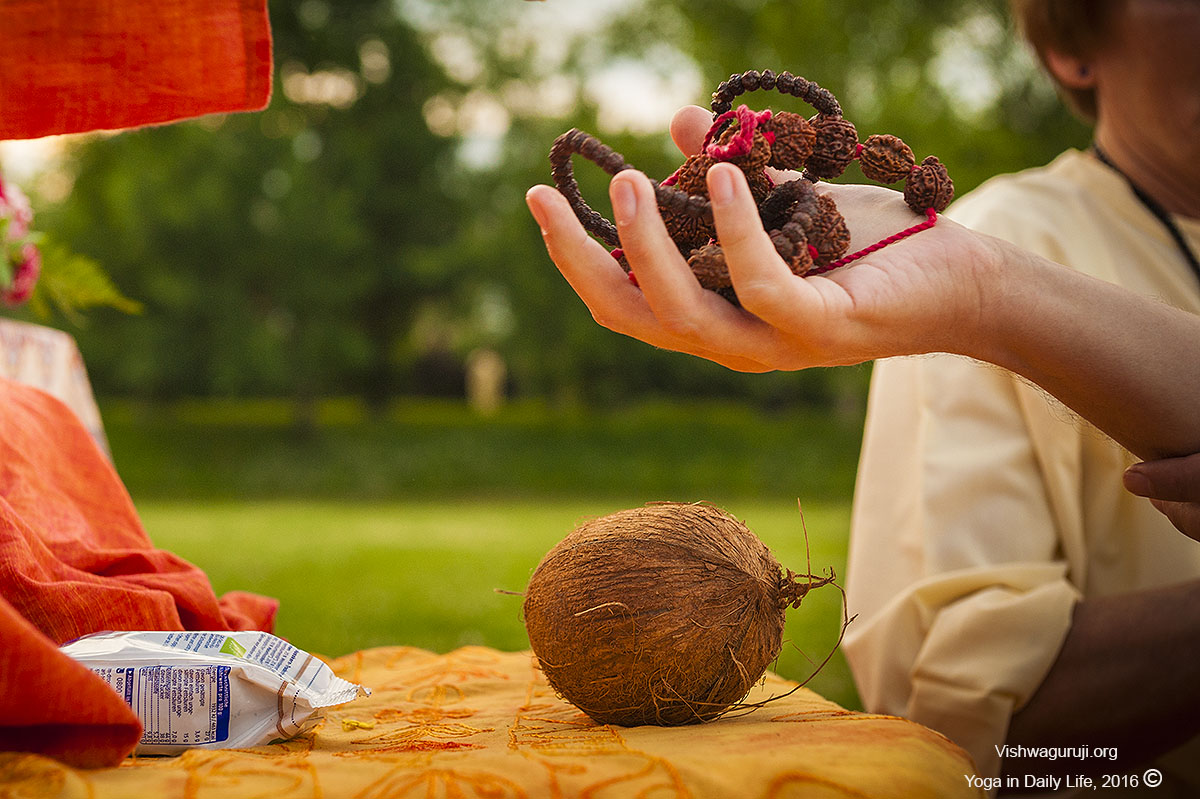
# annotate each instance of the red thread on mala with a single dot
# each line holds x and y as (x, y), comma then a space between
(619, 256)
(743, 141)
(930, 221)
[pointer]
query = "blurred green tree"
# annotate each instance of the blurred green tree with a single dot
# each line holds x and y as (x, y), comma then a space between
(280, 252)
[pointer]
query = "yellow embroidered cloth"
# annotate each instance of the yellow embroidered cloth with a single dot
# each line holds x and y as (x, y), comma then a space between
(477, 723)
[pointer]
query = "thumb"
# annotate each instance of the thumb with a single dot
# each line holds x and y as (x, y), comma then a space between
(1176, 479)
(689, 126)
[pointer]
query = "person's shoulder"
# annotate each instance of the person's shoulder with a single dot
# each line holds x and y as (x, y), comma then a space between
(1037, 196)
(1052, 210)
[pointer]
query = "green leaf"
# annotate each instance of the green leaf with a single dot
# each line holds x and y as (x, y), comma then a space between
(71, 283)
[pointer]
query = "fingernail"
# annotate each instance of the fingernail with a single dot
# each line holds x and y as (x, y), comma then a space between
(535, 209)
(624, 200)
(1136, 482)
(720, 186)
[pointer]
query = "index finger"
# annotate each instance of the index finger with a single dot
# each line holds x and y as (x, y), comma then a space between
(614, 302)
(764, 284)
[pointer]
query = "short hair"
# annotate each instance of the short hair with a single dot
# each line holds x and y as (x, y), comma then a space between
(1072, 27)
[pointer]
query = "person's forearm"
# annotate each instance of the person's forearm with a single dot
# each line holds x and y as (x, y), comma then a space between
(1126, 363)
(1125, 678)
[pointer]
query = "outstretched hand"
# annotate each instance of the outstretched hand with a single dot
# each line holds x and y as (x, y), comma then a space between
(917, 295)
(943, 289)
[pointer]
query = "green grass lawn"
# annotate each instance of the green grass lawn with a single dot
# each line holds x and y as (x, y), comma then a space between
(399, 528)
(427, 574)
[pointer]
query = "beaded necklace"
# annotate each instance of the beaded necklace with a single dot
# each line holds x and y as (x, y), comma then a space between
(1154, 208)
(807, 230)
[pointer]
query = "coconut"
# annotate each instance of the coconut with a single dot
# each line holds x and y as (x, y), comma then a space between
(666, 614)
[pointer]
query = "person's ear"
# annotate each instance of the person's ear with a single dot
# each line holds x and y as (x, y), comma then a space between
(1070, 71)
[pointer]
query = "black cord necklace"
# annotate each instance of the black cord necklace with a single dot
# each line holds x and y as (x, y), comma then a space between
(1153, 207)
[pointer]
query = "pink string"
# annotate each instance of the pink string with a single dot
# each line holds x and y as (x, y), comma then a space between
(616, 254)
(743, 141)
(930, 221)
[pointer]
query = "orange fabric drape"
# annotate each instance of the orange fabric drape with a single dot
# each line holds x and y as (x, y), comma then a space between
(74, 559)
(68, 66)
(73, 556)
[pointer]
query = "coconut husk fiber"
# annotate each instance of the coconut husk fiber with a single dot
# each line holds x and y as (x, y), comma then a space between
(665, 614)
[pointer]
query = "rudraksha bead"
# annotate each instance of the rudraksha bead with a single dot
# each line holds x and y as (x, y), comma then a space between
(761, 185)
(760, 149)
(575, 140)
(929, 186)
(885, 158)
(827, 232)
(794, 253)
(708, 265)
(787, 83)
(688, 232)
(693, 173)
(836, 146)
(700, 208)
(794, 141)
(784, 200)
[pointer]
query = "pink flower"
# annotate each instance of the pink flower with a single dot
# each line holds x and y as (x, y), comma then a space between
(14, 206)
(25, 277)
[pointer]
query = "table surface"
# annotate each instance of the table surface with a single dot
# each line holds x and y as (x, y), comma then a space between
(477, 722)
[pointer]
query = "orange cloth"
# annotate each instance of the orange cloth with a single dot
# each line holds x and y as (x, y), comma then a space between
(73, 556)
(76, 65)
(74, 559)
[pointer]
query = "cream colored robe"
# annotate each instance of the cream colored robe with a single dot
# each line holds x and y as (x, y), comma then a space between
(984, 509)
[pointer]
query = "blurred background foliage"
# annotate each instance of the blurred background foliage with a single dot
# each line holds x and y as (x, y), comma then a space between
(366, 233)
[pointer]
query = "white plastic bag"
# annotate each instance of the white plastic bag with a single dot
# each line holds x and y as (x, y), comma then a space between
(213, 690)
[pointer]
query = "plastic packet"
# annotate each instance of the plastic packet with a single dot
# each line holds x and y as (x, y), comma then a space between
(213, 690)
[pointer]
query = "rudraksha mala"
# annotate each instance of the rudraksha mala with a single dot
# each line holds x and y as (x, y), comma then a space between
(806, 228)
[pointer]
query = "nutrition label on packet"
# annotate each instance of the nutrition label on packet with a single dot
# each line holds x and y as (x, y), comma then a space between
(186, 705)
(213, 689)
